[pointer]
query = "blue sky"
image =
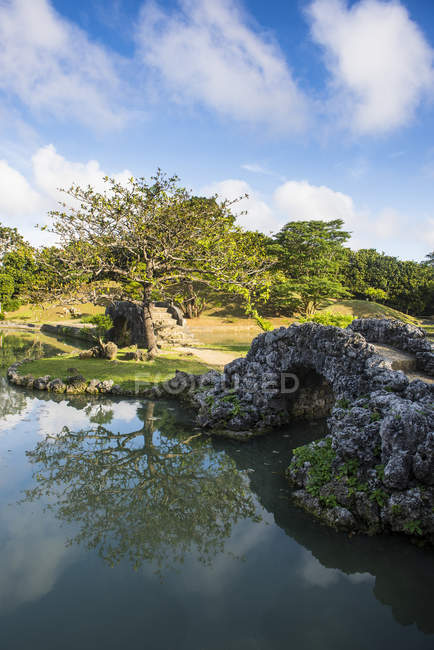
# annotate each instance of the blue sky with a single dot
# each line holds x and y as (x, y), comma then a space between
(315, 108)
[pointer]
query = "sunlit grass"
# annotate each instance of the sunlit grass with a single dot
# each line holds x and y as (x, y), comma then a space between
(124, 373)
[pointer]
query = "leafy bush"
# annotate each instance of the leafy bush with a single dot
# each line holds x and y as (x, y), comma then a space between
(2, 315)
(100, 320)
(11, 304)
(102, 323)
(377, 295)
(329, 318)
(264, 324)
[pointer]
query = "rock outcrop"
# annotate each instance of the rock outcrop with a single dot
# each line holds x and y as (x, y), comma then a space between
(405, 337)
(129, 328)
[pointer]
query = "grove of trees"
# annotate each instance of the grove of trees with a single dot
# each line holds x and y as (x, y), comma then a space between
(154, 239)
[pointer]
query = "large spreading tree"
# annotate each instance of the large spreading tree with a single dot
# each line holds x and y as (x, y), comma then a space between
(152, 235)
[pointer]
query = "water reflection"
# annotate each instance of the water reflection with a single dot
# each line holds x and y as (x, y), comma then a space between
(16, 345)
(129, 480)
(151, 494)
(402, 575)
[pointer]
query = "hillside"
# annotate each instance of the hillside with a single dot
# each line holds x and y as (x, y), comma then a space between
(366, 309)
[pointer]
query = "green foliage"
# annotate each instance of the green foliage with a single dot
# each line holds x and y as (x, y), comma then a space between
(310, 255)
(264, 324)
(156, 236)
(380, 471)
(349, 472)
(7, 287)
(320, 457)
(379, 496)
(404, 285)
(375, 416)
(102, 322)
(414, 527)
(376, 295)
(233, 399)
(328, 318)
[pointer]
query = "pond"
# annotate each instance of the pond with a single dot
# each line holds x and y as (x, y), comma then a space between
(122, 526)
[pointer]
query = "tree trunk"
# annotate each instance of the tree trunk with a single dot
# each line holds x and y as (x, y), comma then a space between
(151, 341)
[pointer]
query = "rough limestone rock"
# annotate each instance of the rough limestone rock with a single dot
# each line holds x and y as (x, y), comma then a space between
(92, 386)
(373, 472)
(129, 325)
(136, 355)
(405, 337)
(105, 386)
(110, 351)
(56, 386)
(101, 351)
(41, 383)
(76, 384)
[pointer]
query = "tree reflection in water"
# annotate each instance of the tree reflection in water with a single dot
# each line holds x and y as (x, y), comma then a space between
(149, 495)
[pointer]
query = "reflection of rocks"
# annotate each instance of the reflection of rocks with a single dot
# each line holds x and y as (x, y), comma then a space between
(403, 573)
(12, 402)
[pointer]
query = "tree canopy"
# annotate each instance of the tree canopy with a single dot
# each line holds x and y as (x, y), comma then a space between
(310, 256)
(155, 235)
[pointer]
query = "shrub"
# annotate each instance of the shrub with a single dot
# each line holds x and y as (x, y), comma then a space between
(328, 318)
(102, 324)
(11, 304)
(376, 295)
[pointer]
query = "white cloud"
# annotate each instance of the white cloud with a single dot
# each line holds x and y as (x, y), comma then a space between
(259, 214)
(52, 171)
(299, 200)
(385, 229)
(207, 53)
(17, 197)
(430, 233)
(54, 68)
(25, 202)
(317, 575)
(380, 61)
(256, 169)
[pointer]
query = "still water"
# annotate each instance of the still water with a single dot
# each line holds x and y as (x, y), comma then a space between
(121, 527)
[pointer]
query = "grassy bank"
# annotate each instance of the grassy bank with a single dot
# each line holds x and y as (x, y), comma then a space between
(125, 373)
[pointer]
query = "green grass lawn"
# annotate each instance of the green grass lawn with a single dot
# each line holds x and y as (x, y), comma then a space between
(124, 373)
(225, 346)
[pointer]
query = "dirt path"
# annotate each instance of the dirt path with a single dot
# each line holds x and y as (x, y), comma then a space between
(209, 356)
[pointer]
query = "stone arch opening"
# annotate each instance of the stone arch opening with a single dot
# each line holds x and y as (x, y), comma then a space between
(307, 394)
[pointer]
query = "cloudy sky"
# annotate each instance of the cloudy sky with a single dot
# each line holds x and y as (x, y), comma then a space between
(315, 108)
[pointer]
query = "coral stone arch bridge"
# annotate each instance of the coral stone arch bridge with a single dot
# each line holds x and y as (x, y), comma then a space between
(374, 470)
